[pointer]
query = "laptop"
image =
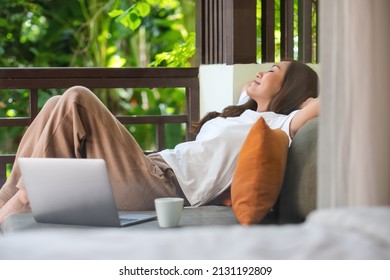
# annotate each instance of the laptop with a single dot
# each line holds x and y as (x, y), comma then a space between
(73, 192)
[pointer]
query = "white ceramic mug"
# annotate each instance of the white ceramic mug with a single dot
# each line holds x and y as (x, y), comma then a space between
(169, 211)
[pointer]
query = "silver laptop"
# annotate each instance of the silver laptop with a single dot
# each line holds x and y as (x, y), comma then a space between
(73, 191)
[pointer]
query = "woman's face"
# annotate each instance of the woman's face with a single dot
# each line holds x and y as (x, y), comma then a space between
(267, 85)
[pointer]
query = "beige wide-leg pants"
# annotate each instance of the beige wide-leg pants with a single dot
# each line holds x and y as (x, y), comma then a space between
(78, 125)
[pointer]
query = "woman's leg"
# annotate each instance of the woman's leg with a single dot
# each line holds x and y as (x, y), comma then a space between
(11, 198)
(16, 204)
(81, 126)
(88, 129)
(26, 147)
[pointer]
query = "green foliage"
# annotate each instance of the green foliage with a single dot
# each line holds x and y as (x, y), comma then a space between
(47, 33)
(163, 28)
(98, 33)
(132, 17)
(180, 56)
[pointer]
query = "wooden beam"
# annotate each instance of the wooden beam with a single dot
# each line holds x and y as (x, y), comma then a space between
(287, 28)
(305, 31)
(268, 31)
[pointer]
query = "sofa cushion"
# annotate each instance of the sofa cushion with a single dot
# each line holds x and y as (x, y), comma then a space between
(299, 191)
(258, 176)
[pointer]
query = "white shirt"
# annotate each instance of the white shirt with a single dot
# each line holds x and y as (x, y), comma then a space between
(204, 167)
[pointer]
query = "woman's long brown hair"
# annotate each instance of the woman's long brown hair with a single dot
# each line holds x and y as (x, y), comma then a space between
(300, 82)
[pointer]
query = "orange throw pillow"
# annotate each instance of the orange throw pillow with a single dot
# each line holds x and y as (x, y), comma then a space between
(258, 177)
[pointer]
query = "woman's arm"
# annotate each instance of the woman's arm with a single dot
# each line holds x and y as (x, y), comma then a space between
(310, 109)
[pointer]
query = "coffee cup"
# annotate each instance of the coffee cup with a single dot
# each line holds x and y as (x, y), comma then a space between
(168, 211)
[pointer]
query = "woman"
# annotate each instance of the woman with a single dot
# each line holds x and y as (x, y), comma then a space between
(78, 125)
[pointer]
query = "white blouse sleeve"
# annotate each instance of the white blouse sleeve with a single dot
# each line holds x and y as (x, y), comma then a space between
(286, 125)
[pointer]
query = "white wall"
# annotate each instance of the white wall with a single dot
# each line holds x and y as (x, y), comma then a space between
(221, 84)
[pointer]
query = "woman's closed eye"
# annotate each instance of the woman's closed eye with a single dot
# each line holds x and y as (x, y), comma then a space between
(272, 69)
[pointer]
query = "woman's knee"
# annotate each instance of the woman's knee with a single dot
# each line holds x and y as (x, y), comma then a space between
(52, 101)
(50, 104)
(78, 94)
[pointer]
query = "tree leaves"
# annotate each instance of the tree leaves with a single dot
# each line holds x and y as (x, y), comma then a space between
(132, 17)
(180, 55)
(79, 33)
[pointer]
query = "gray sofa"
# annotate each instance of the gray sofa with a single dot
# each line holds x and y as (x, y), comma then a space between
(299, 192)
(297, 199)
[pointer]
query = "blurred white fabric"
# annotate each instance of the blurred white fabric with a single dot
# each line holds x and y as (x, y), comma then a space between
(356, 233)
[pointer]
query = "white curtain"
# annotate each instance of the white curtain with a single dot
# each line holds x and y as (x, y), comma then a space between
(354, 134)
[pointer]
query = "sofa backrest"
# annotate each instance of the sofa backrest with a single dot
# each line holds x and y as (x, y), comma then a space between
(299, 191)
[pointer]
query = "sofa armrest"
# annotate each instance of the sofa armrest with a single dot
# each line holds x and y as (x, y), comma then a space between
(299, 190)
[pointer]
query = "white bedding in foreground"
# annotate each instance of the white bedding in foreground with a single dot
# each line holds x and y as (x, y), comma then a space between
(361, 233)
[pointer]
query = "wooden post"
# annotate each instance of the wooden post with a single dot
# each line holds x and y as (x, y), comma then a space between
(226, 31)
